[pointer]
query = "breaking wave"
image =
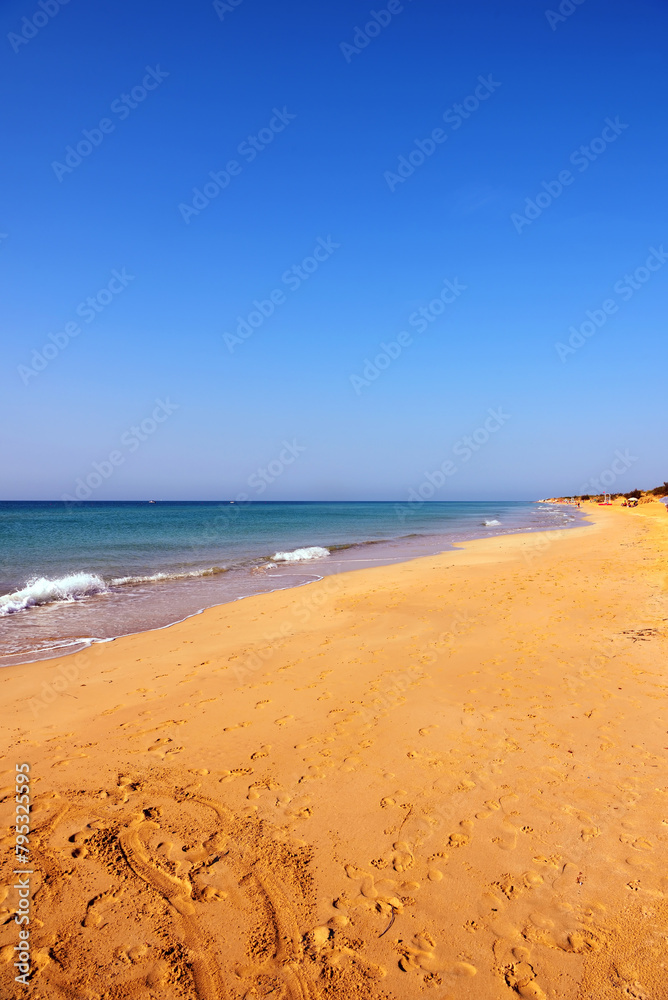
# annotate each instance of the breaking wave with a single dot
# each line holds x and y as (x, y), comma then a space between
(42, 591)
(301, 555)
(122, 581)
(491, 523)
(76, 586)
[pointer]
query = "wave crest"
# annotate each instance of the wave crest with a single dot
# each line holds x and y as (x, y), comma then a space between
(122, 581)
(491, 523)
(43, 591)
(301, 555)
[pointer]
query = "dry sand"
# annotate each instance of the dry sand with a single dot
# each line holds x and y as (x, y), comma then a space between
(445, 778)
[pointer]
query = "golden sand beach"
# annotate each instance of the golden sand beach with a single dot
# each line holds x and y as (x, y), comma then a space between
(445, 778)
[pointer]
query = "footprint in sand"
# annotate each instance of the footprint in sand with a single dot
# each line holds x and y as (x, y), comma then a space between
(66, 760)
(403, 858)
(350, 764)
(238, 772)
(160, 744)
(507, 840)
(295, 809)
(421, 957)
(210, 894)
(490, 807)
(258, 786)
(321, 943)
(283, 721)
(161, 747)
(637, 843)
(97, 907)
(378, 897)
(567, 878)
(508, 802)
(157, 977)
(461, 838)
(522, 978)
(137, 953)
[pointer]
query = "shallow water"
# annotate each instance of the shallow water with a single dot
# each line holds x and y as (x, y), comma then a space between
(72, 573)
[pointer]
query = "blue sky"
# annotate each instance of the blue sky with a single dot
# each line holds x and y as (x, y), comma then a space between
(332, 125)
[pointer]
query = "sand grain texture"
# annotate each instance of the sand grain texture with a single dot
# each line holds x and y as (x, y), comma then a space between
(445, 778)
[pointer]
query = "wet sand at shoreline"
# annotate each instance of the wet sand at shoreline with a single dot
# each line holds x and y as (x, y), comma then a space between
(443, 778)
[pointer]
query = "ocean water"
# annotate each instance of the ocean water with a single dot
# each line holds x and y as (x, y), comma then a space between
(71, 574)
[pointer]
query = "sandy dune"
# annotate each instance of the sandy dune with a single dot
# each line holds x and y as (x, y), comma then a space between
(445, 779)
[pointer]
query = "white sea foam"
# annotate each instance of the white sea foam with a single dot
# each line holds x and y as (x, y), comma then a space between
(491, 523)
(301, 555)
(121, 581)
(42, 591)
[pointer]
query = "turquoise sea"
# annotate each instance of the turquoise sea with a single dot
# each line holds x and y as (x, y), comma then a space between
(74, 573)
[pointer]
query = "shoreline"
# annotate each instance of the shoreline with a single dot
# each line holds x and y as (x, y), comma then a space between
(57, 652)
(447, 772)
